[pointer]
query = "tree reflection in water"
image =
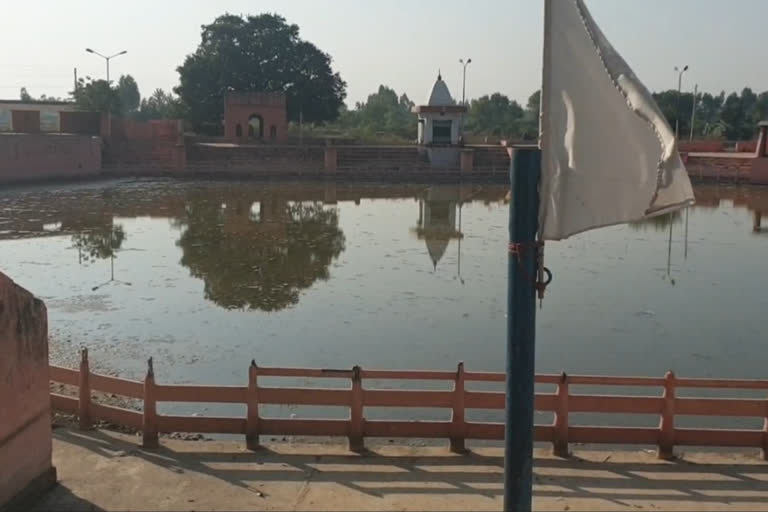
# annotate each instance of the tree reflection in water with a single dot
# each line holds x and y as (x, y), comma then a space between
(258, 255)
(99, 242)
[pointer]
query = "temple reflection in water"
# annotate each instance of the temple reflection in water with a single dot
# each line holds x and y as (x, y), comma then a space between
(437, 225)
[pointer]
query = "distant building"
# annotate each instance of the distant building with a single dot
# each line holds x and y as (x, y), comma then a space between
(255, 116)
(33, 116)
(440, 119)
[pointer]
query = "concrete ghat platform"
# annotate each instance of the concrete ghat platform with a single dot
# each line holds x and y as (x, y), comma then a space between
(101, 470)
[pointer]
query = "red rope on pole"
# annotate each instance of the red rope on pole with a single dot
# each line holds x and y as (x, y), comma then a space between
(543, 275)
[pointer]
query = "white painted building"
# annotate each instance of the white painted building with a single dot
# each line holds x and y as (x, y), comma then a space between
(440, 120)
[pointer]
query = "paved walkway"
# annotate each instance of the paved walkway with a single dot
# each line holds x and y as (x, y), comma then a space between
(107, 471)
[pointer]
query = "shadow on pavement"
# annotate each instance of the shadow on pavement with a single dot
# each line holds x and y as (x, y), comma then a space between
(377, 475)
(60, 499)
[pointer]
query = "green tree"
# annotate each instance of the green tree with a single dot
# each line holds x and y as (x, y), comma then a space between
(383, 114)
(708, 111)
(495, 115)
(257, 53)
(741, 113)
(533, 106)
(161, 105)
(749, 103)
(733, 116)
(761, 108)
(668, 103)
(97, 96)
(532, 113)
(122, 99)
(25, 96)
(128, 91)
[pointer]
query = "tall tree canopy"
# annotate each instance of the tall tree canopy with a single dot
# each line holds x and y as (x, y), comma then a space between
(495, 115)
(130, 98)
(534, 104)
(121, 100)
(161, 105)
(382, 114)
(97, 96)
(25, 96)
(257, 53)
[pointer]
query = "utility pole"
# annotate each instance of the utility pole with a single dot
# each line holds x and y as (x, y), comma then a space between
(464, 92)
(693, 110)
(75, 89)
(679, 92)
(521, 329)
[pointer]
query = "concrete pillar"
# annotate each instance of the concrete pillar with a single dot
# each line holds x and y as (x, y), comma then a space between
(758, 173)
(25, 403)
(329, 192)
(331, 159)
(761, 140)
(180, 150)
(467, 161)
(106, 125)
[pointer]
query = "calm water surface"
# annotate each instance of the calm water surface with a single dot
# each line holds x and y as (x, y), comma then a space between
(205, 276)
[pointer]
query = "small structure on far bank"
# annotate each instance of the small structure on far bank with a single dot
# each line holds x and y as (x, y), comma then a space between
(259, 116)
(440, 120)
(440, 128)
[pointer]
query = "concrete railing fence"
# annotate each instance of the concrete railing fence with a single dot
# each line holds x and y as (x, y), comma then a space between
(357, 397)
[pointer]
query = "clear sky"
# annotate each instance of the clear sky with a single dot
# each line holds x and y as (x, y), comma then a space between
(400, 43)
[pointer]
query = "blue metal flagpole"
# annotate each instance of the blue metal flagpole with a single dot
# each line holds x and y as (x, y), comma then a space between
(521, 328)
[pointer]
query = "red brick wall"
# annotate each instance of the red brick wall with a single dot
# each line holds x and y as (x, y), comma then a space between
(746, 147)
(362, 160)
(723, 168)
(256, 160)
(33, 157)
(702, 146)
(25, 404)
(138, 147)
(717, 146)
(239, 107)
(84, 123)
(130, 129)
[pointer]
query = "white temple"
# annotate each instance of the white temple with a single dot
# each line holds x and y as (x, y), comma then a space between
(440, 120)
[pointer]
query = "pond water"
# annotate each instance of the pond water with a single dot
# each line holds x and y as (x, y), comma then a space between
(205, 276)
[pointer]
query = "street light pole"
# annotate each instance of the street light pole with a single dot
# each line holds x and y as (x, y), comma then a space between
(693, 110)
(464, 93)
(464, 80)
(679, 93)
(106, 58)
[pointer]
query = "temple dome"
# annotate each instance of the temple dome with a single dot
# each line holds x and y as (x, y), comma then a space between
(440, 96)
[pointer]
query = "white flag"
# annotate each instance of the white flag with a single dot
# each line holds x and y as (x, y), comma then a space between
(608, 154)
